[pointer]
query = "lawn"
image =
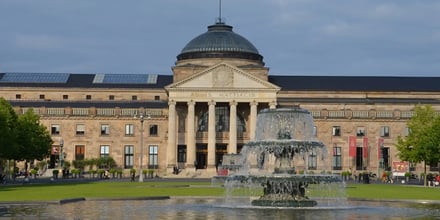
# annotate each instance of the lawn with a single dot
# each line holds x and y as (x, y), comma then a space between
(108, 189)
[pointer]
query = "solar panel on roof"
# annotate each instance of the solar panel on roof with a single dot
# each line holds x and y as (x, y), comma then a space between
(99, 78)
(35, 77)
(152, 79)
(125, 78)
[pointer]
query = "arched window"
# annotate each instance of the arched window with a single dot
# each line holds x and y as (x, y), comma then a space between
(221, 120)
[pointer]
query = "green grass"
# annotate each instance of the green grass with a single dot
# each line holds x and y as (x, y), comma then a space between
(391, 191)
(108, 189)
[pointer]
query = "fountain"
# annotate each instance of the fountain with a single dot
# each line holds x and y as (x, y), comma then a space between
(283, 136)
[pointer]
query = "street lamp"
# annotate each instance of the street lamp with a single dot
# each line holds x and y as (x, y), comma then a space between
(61, 153)
(141, 119)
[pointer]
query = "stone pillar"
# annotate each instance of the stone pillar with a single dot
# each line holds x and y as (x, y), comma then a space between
(171, 150)
(253, 120)
(211, 134)
(273, 104)
(232, 147)
(191, 138)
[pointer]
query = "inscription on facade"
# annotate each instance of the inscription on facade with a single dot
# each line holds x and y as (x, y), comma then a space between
(201, 95)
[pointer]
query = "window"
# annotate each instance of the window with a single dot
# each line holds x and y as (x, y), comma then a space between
(65, 97)
(337, 157)
(407, 131)
(128, 156)
(105, 129)
(129, 129)
(385, 131)
(315, 131)
(312, 161)
(181, 153)
(42, 96)
(79, 152)
(111, 97)
(222, 118)
(88, 97)
(17, 96)
(152, 156)
(55, 129)
(156, 97)
(336, 131)
(80, 129)
(153, 130)
(360, 131)
(104, 151)
(134, 98)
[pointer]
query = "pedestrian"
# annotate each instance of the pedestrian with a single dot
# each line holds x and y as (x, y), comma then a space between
(132, 176)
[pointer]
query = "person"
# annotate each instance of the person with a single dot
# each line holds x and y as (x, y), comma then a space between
(437, 181)
(132, 176)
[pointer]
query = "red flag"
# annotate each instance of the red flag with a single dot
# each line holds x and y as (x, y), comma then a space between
(352, 146)
(379, 148)
(365, 143)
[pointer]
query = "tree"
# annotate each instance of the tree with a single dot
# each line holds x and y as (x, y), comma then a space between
(34, 141)
(8, 135)
(423, 141)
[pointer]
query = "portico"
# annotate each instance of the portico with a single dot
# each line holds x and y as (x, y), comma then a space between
(217, 115)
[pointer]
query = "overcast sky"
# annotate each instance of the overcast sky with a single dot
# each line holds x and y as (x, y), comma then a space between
(296, 37)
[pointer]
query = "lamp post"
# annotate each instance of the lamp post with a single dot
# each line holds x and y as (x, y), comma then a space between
(61, 153)
(141, 119)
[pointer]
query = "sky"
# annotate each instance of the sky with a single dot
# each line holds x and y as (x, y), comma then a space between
(295, 37)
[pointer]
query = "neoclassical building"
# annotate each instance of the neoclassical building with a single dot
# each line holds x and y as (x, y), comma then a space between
(208, 108)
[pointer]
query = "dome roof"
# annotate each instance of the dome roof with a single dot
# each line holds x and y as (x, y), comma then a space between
(220, 42)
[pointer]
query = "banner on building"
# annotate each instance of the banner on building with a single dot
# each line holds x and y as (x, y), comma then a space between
(365, 147)
(352, 146)
(379, 148)
(400, 168)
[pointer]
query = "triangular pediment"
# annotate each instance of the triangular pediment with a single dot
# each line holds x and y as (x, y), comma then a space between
(222, 76)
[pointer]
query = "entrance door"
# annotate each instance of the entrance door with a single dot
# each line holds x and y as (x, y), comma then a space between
(220, 150)
(359, 158)
(201, 156)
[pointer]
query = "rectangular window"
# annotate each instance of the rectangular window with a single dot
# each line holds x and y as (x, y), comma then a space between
(79, 152)
(55, 129)
(407, 131)
(129, 129)
(134, 98)
(156, 97)
(385, 131)
(88, 97)
(42, 96)
(105, 129)
(17, 96)
(80, 129)
(312, 160)
(315, 131)
(154, 130)
(360, 131)
(153, 157)
(181, 153)
(128, 156)
(336, 131)
(65, 97)
(337, 158)
(104, 151)
(111, 97)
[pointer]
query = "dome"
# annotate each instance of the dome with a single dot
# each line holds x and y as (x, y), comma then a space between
(220, 42)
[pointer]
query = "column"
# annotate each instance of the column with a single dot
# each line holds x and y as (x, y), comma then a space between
(211, 134)
(171, 150)
(253, 120)
(232, 147)
(191, 138)
(273, 104)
